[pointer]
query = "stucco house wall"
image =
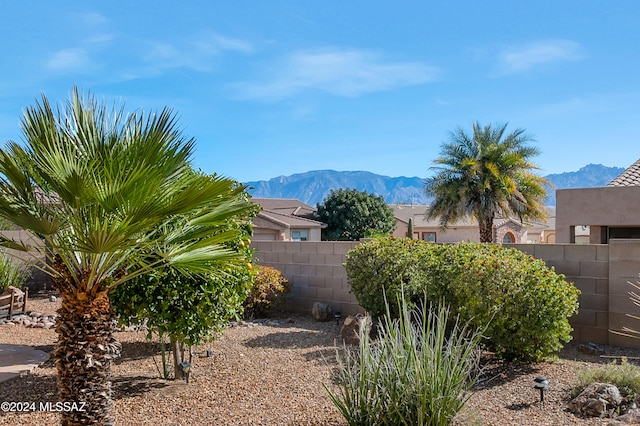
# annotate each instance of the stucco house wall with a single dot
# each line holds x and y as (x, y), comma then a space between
(598, 208)
(467, 229)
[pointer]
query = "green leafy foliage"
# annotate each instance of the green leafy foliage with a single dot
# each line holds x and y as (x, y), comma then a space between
(417, 372)
(351, 214)
(266, 294)
(188, 308)
(385, 266)
(192, 307)
(526, 304)
(12, 273)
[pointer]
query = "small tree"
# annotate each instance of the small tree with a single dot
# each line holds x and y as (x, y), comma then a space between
(410, 229)
(191, 308)
(351, 214)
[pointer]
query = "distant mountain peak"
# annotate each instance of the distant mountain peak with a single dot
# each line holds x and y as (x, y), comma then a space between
(312, 187)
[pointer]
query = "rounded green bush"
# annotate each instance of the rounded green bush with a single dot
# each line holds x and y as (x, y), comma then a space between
(525, 303)
(269, 287)
(384, 266)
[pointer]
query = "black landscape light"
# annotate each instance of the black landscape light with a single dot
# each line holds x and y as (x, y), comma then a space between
(543, 384)
(337, 316)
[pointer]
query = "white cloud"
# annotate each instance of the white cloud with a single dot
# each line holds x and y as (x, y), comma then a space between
(340, 72)
(524, 57)
(198, 54)
(214, 43)
(66, 60)
(92, 19)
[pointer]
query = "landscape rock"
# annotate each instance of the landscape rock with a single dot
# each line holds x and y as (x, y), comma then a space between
(590, 349)
(350, 331)
(322, 312)
(597, 400)
(632, 417)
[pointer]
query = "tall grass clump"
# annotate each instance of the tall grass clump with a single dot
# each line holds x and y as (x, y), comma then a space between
(418, 371)
(12, 273)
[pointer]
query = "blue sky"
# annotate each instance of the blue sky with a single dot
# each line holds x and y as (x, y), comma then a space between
(275, 87)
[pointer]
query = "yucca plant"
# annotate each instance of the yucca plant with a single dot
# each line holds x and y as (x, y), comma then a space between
(418, 371)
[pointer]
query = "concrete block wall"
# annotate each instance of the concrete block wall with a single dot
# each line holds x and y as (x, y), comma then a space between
(315, 271)
(624, 268)
(587, 266)
(602, 272)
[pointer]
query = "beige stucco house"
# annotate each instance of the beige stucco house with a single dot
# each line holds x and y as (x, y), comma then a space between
(595, 215)
(506, 230)
(285, 219)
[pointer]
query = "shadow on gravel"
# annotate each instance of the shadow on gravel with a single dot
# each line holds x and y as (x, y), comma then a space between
(496, 373)
(292, 339)
(130, 386)
(138, 350)
(30, 388)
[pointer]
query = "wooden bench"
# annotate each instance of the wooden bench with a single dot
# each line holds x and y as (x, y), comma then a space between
(13, 303)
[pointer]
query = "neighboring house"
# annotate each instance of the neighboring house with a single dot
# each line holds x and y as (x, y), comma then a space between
(596, 215)
(506, 230)
(285, 219)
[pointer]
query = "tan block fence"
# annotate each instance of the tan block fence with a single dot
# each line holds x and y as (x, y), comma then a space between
(601, 272)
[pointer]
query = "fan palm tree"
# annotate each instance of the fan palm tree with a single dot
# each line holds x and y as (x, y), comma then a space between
(486, 174)
(96, 187)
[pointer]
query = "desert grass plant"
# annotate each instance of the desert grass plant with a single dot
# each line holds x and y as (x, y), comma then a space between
(623, 374)
(418, 371)
(12, 273)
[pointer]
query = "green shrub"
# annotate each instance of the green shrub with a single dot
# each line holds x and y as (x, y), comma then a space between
(384, 266)
(526, 304)
(267, 292)
(625, 376)
(12, 273)
(418, 372)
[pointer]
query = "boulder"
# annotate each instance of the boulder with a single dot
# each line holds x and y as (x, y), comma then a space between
(597, 400)
(590, 349)
(322, 312)
(350, 331)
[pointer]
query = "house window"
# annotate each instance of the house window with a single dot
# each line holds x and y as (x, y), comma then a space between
(508, 238)
(299, 235)
(429, 236)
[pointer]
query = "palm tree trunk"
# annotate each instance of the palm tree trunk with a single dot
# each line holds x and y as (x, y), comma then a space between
(486, 230)
(83, 355)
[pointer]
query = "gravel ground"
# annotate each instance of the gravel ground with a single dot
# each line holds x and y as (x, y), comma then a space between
(273, 373)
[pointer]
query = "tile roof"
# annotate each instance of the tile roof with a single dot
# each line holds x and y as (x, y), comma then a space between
(287, 212)
(286, 206)
(630, 177)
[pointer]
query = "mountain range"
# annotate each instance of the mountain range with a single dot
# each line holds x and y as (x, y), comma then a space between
(312, 187)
